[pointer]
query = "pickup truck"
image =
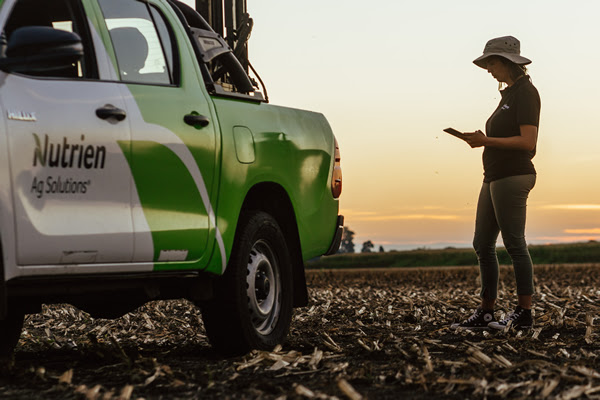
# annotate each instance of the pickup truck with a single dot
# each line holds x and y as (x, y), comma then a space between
(139, 161)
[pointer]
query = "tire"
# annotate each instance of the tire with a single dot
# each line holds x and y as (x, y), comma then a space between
(252, 308)
(10, 332)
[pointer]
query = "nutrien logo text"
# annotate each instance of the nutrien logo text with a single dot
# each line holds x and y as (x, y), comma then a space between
(68, 155)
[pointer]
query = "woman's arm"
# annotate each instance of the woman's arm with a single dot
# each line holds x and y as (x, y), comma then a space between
(526, 141)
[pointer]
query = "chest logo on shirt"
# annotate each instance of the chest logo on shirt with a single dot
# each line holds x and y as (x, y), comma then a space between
(505, 107)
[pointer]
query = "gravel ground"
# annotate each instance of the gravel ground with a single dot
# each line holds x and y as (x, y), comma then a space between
(365, 334)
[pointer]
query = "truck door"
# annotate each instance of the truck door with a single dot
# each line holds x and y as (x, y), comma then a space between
(173, 145)
(70, 179)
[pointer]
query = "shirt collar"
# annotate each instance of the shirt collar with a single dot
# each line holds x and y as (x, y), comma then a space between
(520, 81)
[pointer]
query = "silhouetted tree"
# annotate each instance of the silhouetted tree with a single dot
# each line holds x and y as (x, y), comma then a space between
(381, 249)
(347, 245)
(367, 247)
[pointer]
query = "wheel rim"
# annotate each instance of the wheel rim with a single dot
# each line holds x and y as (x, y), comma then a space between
(263, 285)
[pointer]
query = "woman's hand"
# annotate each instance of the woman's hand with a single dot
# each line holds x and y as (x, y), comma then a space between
(525, 141)
(476, 139)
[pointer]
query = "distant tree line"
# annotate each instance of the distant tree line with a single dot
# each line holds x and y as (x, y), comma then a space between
(347, 245)
(543, 256)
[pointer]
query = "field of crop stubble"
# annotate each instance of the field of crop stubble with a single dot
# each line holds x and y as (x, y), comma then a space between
(365, 334)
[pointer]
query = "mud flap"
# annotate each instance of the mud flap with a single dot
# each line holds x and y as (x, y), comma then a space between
(337, 239)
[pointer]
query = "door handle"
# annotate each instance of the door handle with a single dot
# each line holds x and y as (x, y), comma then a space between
(109, 111)
(196, 120)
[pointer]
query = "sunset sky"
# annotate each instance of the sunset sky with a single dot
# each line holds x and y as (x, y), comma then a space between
(390, 75)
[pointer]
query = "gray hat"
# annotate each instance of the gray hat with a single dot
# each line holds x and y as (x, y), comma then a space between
(506, 46)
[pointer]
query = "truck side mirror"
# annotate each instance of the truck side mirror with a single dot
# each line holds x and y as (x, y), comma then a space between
(33, 49)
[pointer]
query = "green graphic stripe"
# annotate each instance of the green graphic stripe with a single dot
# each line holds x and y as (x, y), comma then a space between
(169, 197)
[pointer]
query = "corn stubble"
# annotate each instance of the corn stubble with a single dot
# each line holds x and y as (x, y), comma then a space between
(365, 334)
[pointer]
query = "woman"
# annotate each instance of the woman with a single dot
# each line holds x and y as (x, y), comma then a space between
(509, 145)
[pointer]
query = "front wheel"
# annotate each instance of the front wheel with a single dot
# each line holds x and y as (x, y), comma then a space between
(252, 308)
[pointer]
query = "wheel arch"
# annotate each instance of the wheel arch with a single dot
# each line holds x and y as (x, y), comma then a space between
(272, 198)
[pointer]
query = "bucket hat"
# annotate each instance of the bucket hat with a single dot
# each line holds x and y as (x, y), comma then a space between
(508, 47)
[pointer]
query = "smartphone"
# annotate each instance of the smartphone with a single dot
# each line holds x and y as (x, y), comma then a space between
(456, 133)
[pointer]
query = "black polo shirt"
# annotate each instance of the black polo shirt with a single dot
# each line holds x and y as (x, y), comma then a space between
(520, 105)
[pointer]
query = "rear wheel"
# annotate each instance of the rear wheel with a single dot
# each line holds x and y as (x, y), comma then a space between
(253, 305)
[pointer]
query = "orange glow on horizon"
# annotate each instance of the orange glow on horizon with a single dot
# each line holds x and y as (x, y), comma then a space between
(575, 207)
(592, 231)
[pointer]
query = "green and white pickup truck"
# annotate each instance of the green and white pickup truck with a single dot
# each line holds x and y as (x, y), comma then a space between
(139, 161)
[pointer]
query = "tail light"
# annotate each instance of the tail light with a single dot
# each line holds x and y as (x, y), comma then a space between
(336, 178)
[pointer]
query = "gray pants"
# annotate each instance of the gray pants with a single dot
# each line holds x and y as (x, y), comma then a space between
(502, 207)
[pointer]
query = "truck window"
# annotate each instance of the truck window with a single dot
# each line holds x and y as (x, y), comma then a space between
(141, 40)
(65, 15)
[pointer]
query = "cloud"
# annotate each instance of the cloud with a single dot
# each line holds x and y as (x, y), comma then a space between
(408, 214)
(404, 217)
(588, 231)
(355, 213)
(574, 207)
(562, 239)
